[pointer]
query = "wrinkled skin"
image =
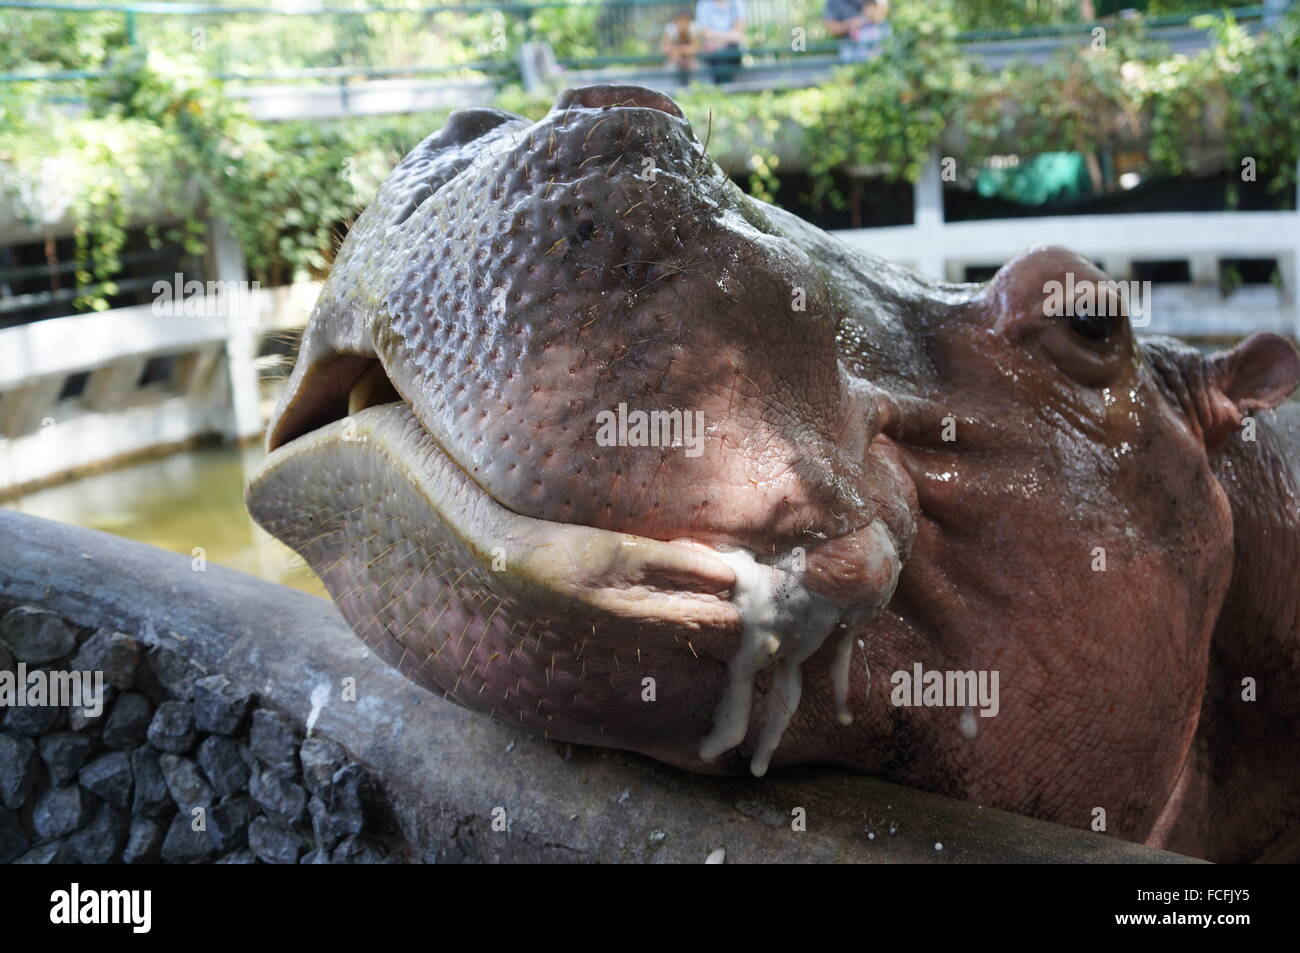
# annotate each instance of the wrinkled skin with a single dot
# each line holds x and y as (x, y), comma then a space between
(435, 462)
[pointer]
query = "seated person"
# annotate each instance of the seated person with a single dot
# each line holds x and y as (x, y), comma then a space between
(681, 43)
(862, 22)
(722, 33)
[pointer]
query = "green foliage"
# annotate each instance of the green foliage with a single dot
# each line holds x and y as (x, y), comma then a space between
(159, 134)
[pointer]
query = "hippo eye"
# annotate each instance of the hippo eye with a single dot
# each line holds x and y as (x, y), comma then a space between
(1094, 327)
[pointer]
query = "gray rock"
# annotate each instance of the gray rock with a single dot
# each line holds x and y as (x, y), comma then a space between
(350, 798)
(100, 841)
(357, 850)
(33, 720)
(244, 856)
(172, 727)
(220, 760)
(272, 739)
(228, 824)
(113, 653)
(144, 842)
(127, 724)
(327, 830)
(276, 792)
(183, 844)
(174, 673)
(272, 842)
(152, 796)
(318, 856)
(51, 853)
(109, 776)
(64, 752)
(91, 718)
(185, 782)
(36, 636)
(218, 707)
(13, 839)
(7, 661)
(321, 760)
(60, 811)
(17, 769)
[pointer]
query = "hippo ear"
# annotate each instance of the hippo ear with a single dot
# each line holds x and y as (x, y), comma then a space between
(1257, 374)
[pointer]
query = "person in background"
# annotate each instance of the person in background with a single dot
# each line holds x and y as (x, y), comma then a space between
(861, 23)
(681, 44)
(722, 34)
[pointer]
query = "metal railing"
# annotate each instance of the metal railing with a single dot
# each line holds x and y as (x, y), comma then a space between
(618, 32)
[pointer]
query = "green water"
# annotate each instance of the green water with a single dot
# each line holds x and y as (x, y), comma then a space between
(180, 502)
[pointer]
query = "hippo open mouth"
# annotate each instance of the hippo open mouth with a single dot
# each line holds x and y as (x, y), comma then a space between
(584, 438)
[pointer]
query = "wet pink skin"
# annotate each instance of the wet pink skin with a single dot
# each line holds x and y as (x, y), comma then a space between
(512, 280)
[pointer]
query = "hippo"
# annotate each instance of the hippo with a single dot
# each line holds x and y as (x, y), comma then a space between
(582, 437)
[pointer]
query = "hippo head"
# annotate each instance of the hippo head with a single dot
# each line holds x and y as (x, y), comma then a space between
(586, 439)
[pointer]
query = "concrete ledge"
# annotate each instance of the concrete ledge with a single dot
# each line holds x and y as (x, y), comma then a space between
(445, 771)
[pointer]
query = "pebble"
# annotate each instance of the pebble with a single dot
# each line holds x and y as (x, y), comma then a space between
(127, 724)
(51, 853)
(33, 720)
(185, 782)
(144, 842)
(152, 797)
(35, 636)
(64, 752)
(352, 789)
(228, 824)
(109, 776)
(272, 739)
(221, 761)
(90, 718)
(13, 839)
(115, 654)
(244, 856)
(276, 792)
(172, 727)
(17, 769)
(183, 844)
(100, 841)
(174, 673)
(321, 760)
(218, 707)
(356, 850)
(273, 842)
(59, 811)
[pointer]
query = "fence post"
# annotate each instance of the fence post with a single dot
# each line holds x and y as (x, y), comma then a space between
(927, 216)
(226, 264)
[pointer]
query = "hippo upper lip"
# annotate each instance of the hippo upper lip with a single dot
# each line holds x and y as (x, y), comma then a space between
(838, 569)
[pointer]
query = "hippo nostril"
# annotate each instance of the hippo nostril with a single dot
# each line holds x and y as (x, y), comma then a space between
(603, 95)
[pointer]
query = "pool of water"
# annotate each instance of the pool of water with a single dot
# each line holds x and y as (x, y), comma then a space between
(184, 502)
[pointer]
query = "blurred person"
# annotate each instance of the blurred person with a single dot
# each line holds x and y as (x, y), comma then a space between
(681, 44)
(860, 23)
(722, 34)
